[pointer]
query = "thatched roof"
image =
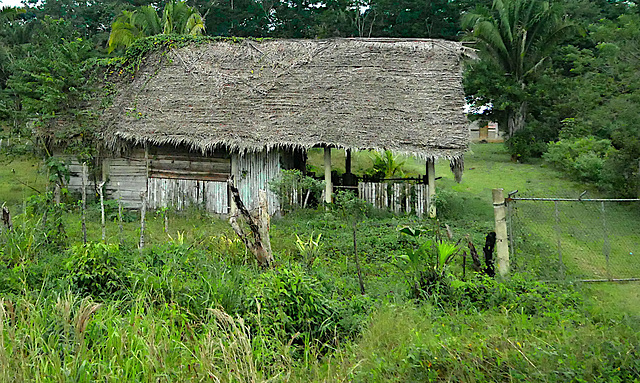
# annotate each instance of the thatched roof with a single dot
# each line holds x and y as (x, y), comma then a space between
(404, 95)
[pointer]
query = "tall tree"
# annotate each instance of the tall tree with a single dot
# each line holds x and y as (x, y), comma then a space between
(517, 36)
(177, 17)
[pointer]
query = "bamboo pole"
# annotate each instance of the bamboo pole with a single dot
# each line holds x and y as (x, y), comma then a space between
(143, 212)
(84, 203)
(328, 191)
(103, 222)
(431, 184)
(120, 226)
(502, 242)
(233, 209)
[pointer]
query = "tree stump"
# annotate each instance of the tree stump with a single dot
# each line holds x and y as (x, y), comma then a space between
(257, 240)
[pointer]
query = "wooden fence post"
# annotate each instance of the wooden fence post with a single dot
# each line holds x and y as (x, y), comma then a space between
(84, 203)
(143, 212)
(120, 227)
(502, 241)
(328, 191)
(431, 183)
(102, 218)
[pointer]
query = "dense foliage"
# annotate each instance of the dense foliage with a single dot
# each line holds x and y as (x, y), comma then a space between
(585, 92)
(548, 70)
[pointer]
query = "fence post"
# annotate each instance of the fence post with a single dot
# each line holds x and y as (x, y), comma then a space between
(431, 182)
(84, 203)
(606, 248)
(502, 244)
(328, 191)
(559, 237)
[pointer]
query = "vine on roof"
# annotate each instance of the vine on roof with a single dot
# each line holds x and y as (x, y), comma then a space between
(125, 66)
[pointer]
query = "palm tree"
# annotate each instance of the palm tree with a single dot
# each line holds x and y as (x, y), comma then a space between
(518, 35)
(177, 17)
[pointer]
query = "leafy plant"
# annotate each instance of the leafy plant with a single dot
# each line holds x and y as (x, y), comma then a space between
(425, 267)
(48, 214)
(287, 301)
(584, 158)
(94, 268)
(310, 249)
(387, 165)
(57, 170)
(295, 189)
(177, 17)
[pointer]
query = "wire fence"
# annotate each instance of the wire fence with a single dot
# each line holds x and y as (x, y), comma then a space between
(575, 239)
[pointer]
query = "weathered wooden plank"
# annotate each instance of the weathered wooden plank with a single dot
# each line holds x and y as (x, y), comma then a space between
(182, 193)
(189, 175)
(255, 171)
(191, 166)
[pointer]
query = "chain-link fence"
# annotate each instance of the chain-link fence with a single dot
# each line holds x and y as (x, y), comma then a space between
(575, 239)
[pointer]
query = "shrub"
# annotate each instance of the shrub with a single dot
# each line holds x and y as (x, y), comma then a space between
(295, 189)
(583, 158)
(287, 301)
(95, 269)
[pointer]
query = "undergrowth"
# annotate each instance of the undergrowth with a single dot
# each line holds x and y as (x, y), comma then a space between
(193, 305)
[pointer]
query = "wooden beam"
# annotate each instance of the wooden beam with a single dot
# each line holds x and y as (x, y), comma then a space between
(431, 182)
(328, 191)
(235, 174)
(347, 161)
(502, 240)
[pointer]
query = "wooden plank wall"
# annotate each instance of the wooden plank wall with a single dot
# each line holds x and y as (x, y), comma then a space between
(75, 177)
(178, 180)
(181, 194)
(397, 197)
(127, 178)
(255, 171)
(182, 164)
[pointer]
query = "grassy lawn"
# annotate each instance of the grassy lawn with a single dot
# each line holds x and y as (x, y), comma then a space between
(18, 179)
(193, 306)
(489, 166)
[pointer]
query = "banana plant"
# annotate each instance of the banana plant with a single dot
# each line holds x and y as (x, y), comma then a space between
(425, 266)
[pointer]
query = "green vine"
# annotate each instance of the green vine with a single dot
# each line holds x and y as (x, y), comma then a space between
(127, 64)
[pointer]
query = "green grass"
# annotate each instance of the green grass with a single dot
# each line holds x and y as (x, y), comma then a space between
(193, 305)
(489, 166)
(18, 179)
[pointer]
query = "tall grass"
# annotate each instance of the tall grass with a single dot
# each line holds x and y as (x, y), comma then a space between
(193, 306)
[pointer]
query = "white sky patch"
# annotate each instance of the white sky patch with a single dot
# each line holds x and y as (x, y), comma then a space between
(10, 3)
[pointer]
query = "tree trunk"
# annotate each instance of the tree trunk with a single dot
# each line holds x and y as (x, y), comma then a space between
(516, 119)
(6, 218)
(258, 241)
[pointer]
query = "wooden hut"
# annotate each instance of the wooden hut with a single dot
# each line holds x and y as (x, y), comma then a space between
(195, 115)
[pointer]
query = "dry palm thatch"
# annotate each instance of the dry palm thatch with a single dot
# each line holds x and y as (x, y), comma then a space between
(403, 95)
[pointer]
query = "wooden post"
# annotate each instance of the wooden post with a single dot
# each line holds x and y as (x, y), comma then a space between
(431, 184)
(120, 227)
(6, 218)
(104, 230)
(57, 191)
(233, 209)
(502, 242)
(257, 241)
(146, 165)
(84, 203)
(328, 191)
(143, 212)
(347, 161)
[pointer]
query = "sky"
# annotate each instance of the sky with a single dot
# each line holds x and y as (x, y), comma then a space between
(10, 3)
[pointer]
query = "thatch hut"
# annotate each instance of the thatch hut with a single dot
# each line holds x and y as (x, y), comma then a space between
(194, 115)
